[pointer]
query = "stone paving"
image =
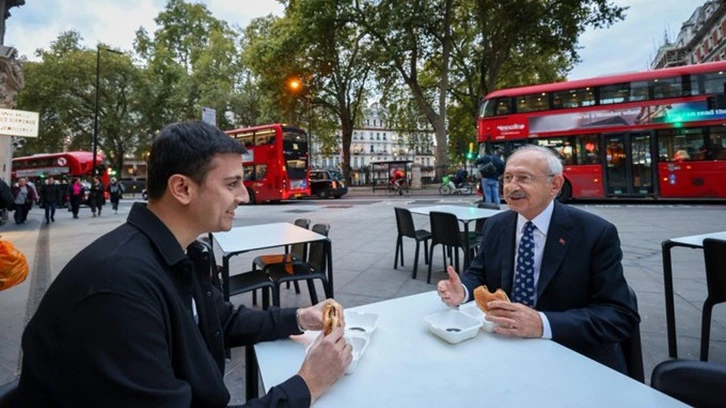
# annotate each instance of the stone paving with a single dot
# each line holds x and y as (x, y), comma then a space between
(363, 232)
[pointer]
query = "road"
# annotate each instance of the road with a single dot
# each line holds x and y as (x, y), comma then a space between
(363, 231)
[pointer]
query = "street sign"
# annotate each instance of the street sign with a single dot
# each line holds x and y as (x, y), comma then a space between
(209, 116)
(18, 123)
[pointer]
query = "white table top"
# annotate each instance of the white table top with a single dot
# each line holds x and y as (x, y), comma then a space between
(406, 365)
(255, 237)
(697, 240)
(462, 213)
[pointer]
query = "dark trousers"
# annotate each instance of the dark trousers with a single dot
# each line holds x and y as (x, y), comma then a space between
(75, 205)
(50, 211)
(114, 201)
(21, 212)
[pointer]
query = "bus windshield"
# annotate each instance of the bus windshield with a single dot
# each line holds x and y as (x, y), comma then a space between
(295, 153)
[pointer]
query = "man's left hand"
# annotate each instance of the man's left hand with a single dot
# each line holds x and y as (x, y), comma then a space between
(514, 319)
(311, 318)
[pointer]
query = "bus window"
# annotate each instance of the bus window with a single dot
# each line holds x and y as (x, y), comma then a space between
(575, 98)
(712, 83)
(487, 108)
(249, 173)
(265, 137)
(532, 103)
(561, 146)
(617, 93)
(504, 106)
(588, 150)
(260, 172)
(715, 146)
(246, 138)
(667, 88)
(680, 145)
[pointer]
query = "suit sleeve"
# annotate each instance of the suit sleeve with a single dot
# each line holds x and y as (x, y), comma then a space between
(611, 313)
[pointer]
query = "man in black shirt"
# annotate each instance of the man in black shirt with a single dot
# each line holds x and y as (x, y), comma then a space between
(133, 320)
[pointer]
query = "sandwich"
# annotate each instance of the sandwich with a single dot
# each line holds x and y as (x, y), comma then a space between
(482, 296)
(331, 316)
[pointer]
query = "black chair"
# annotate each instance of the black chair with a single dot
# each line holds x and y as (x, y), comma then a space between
(314, 268)
(475, 236)
(696, 383)
(714, 252)
(7, 391)
(404, 223)
(633, 349)
(445, 231)
(240, 283)
(296, 252)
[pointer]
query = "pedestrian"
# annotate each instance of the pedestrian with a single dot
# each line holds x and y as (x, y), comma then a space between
(50, 196)
(75, 196)
(115, 191)
(490, 167)
(134, 319)
(24, 195)
(97, 197)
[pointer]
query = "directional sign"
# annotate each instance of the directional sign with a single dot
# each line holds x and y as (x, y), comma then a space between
(18, 123)
(209, 116)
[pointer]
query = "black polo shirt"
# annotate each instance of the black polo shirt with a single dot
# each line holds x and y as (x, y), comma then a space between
(116, 329)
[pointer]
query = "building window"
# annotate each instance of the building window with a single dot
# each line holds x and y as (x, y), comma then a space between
(384, 136)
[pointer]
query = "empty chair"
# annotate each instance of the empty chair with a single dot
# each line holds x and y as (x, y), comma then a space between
(7, 391)
(696, 383)
(314, 268)
(404, 223)
(240, 283)
(475, 236)
(714, 252)
(633, 349)
(444, 231)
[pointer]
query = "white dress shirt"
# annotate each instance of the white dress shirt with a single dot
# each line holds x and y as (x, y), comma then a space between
(542, 224)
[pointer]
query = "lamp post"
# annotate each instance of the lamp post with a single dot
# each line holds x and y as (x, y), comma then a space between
(95, 110)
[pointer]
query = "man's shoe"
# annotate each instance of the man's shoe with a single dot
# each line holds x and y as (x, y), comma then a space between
(52, 219)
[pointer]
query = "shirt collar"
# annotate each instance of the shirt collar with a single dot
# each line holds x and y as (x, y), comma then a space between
(159, 234)
(541, 221)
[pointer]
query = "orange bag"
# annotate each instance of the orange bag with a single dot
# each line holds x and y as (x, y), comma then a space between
(13, 266)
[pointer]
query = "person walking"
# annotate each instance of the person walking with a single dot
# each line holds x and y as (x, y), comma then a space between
(97, 198)
(75, 194)
(24, 196)
(50, 196)
(491, 167)
(115, 191)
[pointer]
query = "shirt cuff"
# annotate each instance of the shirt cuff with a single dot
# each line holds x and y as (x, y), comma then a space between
(466, 293)
(546, 328)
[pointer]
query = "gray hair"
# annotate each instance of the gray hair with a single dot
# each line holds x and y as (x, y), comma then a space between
(553, 162)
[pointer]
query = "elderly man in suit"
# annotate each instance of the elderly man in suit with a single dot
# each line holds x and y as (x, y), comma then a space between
(560, 266)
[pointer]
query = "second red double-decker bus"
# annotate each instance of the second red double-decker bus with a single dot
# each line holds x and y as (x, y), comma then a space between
(277, 165)
(58, 165)
(656, 133)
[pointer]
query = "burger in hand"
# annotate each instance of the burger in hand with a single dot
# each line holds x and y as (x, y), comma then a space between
(332, 316)
(482, 296)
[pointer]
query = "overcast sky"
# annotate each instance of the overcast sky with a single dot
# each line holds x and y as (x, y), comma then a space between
(627, 46)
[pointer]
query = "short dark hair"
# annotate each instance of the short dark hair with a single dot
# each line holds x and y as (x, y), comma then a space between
(185, 148)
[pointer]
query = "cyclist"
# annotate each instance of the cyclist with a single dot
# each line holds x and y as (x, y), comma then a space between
(459, 177)
(398, 178)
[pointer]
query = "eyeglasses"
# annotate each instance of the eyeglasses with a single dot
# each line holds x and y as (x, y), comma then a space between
(523, 179)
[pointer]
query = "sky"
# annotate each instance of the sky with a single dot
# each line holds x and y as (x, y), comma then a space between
(624, 47)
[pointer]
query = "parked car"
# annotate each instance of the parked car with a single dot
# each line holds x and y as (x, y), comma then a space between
(327, 183)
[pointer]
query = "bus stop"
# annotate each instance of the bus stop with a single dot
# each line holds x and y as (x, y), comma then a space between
(383, 172)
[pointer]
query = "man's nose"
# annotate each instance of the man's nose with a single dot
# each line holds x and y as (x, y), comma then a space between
(243, 197)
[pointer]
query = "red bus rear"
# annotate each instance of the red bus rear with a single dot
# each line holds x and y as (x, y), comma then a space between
(58, 165)
(277, 166)
(648, 134)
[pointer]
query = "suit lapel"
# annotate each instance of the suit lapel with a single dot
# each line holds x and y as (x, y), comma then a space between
(559, 237)
(507, 241)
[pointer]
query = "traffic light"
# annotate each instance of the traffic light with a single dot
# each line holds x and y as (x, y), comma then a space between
(470, 155)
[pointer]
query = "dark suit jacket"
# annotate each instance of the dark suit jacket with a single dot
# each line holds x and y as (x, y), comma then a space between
(581, 287)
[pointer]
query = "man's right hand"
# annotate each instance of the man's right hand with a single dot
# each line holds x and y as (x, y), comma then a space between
(451, 291)
(326, 361)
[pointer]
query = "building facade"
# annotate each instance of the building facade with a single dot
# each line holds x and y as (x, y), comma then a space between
(702, 38)
(374, 141)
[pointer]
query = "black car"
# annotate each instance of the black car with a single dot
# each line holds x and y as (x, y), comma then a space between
(327, 183)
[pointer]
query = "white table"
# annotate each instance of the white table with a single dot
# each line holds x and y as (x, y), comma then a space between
(692, 241)
(463, 214)
(239, 240)
(405, 365)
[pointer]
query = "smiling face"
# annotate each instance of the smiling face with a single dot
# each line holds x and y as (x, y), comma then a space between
(529, 185)
(215, 200)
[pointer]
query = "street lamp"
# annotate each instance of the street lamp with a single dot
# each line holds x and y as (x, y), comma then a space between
(95, 111)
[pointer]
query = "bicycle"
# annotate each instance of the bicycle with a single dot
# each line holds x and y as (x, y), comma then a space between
(448, 187)
(398, 188)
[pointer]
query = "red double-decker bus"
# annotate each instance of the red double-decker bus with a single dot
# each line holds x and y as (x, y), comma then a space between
(58, 165)
(658, 134)
(277, 165)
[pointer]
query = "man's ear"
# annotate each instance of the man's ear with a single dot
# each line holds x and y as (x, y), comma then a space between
(180, 188)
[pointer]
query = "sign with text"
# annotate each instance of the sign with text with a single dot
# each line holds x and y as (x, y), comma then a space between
(18, 123)
(209, 116)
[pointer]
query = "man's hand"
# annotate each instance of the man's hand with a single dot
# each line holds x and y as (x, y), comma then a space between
(514, 319)
(450, 291)
(311, 318)
(326, 361)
